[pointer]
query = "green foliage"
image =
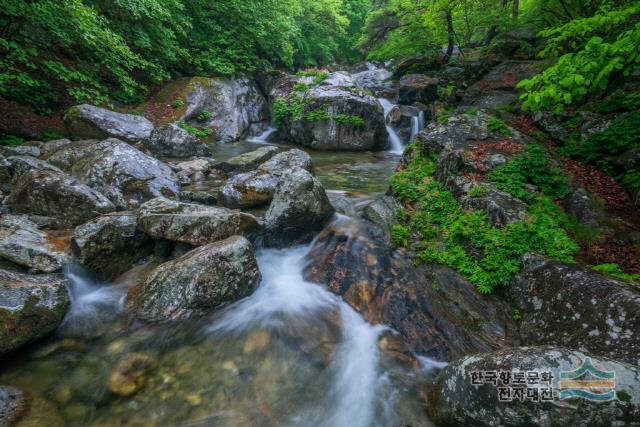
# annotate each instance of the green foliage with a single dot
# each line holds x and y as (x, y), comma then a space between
(465, 241)
(593, 50)
(300, 87)
(197, 132)
(531, 167)
(9, 140)
(478, 191)
(51, 136)
(615, 271)
(619, 102)
(400, 235)
(317, 115)
(290, 108)
(203, 116)
(498, 126)
(349, 119)
(178, 103)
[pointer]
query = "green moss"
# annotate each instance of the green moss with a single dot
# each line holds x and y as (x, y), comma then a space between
(400, 235)
(478, 191)
(197, 132)
(178, 103)
(614, 270)
(444, 232)
(203, 116)
(348, 119)
(317, 115)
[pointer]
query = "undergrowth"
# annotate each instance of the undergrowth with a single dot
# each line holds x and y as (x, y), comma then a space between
(439, 230)
(197, 132)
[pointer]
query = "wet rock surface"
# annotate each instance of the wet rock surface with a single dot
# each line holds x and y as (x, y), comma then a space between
(247, 161)
(454, 401)
(31, 307)
(566, 305)
(87, 121)
(194, 224)
(111, 245)
(173, 141)
(55, 194)
(125, 175)
(197, 282)
(417, 88)
(23, 243)
(300, 208)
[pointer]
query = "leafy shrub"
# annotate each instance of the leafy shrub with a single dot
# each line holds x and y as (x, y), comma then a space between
(300, 87)
(317, 115)
(178, 103)
(348, 119)
(531, 167)
(620, 101)
(203, 116)
(615, 271)
(197, 132)
(9, 140)
(290, 108)
(400, 235)
(446, 232)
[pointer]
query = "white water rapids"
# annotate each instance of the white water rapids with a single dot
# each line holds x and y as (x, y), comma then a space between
(394, 140)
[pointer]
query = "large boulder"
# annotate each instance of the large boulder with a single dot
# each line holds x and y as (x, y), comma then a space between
(111, 244)
(31, 307)
(173, 141)
(377, 80)
(87, 121)
(55, 194)
(454, 399)
(382, 212)
(234, 104)
(335, 118)
(247, 161)
(417, 88)
(197, 282)
(435, 311)
(566, 305)
(22, 243)
(65, 156)
(498, 87)
(256, 188)
(125, 175)
(194, 224)
(51, 147)
(20, 165)
(299, 209)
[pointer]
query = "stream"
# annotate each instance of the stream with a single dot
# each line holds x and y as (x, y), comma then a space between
(291, 354)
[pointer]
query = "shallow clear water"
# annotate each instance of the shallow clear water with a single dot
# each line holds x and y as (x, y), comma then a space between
(292, 354)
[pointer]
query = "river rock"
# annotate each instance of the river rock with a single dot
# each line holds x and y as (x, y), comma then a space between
(21, 150)
(130, 374)
(87, 121)
(198, 282)
(12, 405)
(300, 208)
(65, 156)
(55, 194)
(566, 305)
(31, 307)
(256, 188)
(194, 224)
(454, 401)
(329, 133)
(125, 175)
(5, 175)
(173, 141)
(111, 244)
(417, 88)
(382, 212)
(582, 207)
(435, 310)
(21, 242)
(235, 104)
(376, 80)
(247, 161)
(51, 147)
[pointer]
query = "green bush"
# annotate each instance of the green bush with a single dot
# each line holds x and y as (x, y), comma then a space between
(197, 132)
(348, 119)
(615, 271)
(178, 103)
(317, 115)
(9, 140)
(203, 116)
(446, 233)
(498, 126)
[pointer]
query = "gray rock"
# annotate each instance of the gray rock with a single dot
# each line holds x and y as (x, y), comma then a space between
(338, 79)
(20, 165)
(198, 282)
(417, 88)
(332, 134)
(173, 141)
(23, 243)
(57, 195)
(498, 87)
(5, 175)
(51, 147)
(31, 307)
(629, 161)
(111, 245)
(382, 212)
(21, 150)
(197, 225)
(455, 133)
(67, 155)
(234, 104)
(256, 188)
(300, 208)
(377, 80)
(198, 197)
(247, 161)
(87, 121)
(125, 175)
(566, 305)
(12, 405)
(580, 205)
(501, 208)
(454, 401)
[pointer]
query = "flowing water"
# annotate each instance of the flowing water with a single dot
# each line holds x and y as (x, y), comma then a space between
(291, 354)
(394, 140)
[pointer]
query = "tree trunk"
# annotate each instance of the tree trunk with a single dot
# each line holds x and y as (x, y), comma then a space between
(516, 7)
(450, 32)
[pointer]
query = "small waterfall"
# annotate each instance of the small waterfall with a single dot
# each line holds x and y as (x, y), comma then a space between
(262, 138)
(417, 124)
(394, 139)
(421, 120)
